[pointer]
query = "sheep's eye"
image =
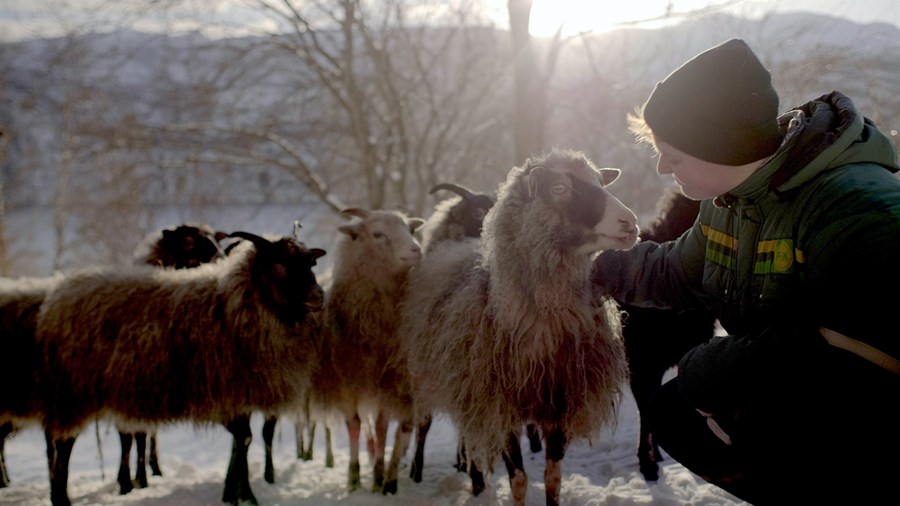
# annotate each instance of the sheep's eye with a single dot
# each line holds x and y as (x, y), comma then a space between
(559, 189)
(378, 235)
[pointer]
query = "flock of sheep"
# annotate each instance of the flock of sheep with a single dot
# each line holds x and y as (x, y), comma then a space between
(497, 297)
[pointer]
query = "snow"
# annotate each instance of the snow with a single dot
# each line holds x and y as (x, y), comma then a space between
(194, 461)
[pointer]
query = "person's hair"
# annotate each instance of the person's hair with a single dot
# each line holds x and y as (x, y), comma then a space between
(641, 130)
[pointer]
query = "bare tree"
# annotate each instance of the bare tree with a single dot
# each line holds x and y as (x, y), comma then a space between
(368, 104)
(4, 252)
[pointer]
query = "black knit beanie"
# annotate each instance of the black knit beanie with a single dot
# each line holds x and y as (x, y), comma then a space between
(719, 107)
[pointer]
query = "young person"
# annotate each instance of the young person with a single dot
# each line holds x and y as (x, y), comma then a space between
(796, 249)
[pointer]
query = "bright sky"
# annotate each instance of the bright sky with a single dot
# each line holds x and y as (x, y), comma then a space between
(603, 15)
(30, 18)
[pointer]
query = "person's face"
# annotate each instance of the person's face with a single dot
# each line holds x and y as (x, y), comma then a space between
(699, 179)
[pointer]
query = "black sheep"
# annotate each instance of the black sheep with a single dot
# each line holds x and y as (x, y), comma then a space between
(655, 339)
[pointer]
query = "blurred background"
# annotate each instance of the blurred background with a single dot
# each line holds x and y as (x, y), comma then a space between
(119, 118)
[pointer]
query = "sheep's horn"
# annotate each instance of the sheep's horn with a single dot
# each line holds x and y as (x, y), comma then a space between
(455, 188)
(255, 239)
(355, 211)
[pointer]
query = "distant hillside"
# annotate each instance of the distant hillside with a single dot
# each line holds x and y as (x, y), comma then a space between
(88, 113)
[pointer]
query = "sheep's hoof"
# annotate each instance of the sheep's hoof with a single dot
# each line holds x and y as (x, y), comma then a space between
(650, 472)
(124, 489)
(477, 483)
(390, 487)
(125, 485)
(353, 482)
(329, 461)
(239, 495)
(415, 473)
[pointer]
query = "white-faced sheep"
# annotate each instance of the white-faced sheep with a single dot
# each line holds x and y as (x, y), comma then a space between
(655, 339)
(20, 300)
(512, 324)
(180, 247)
(209, 344)
(360, 319)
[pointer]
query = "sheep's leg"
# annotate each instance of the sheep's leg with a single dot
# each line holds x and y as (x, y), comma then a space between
(643, 383)
(518, 480)
(312, 437)
(381, 427)
(329, 452)
(58, 453)
(401, 444)
(475, 474)
(308, 454)
(237, 479)
(353, 430)
(534, 438)
(140, 474)
(5, 430)
(300, 437)
(461, 464)
(303, 426)
(419, 460)
(154, 456)
(556, 449)
(370, 438)
(464, 465)
(268, 434)
(124, 477)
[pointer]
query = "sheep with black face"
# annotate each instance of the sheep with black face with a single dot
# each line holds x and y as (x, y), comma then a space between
(512, 323)
(205, 345)
(177, 247)
(656, 339)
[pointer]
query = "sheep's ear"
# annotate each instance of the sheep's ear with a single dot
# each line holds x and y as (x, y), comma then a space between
(608, 175)
(351, 230)
(415, 223)
(219, 235)
(317, 253)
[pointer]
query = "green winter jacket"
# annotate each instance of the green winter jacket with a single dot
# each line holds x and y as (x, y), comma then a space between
(810, 240)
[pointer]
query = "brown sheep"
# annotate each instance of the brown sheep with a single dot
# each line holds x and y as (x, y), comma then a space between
(207, 345)
(512, 324)
(179, 247)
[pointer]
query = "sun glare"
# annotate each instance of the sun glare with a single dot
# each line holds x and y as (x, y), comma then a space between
(578, 16)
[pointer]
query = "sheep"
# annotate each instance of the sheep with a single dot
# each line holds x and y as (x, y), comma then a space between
(180, 247)
(512, 323)
(655, 339)
(209, 344)
(454, 219)
(457, 217)
(20, 300)
(359, 322)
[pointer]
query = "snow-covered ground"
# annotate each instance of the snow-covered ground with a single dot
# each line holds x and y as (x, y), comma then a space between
(194, 461)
